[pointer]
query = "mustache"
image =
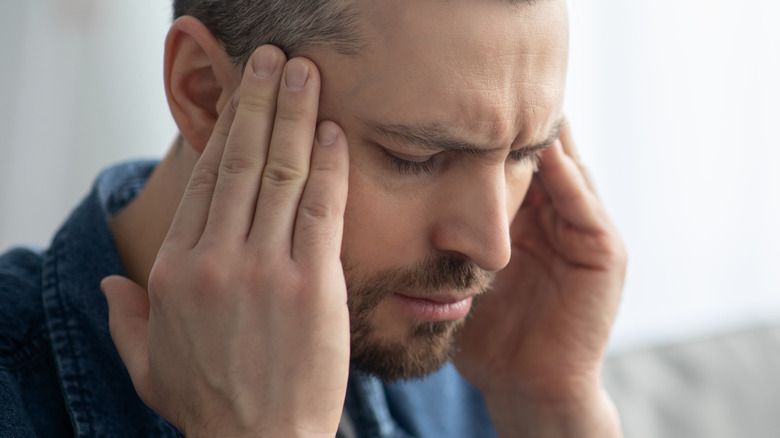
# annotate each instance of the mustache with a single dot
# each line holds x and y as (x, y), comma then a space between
(433, 274)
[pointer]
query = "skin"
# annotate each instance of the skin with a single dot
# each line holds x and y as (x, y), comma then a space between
(201, 297)
(465, 207)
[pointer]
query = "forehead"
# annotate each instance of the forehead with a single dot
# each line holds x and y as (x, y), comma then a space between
(483, 67)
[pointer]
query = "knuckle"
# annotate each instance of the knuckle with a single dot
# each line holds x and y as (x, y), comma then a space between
(579, 197)
(619, 251)
(211, 274)
(322, 230)
(257, 103)
(610, 246)
(317, 208)
(175, 278)
(161, 281)
(294, 113)
(283, 174)
(221, 131)
(202, 180)
(238, 164)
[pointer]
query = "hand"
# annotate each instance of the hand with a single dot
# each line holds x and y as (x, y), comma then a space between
(245, 328)
(538, 339)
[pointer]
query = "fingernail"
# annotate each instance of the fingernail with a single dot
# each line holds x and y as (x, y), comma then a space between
(234, 104)
(297, 75)
(327, 134)
(264, 62)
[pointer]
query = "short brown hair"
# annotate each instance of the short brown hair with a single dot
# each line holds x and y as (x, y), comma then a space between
(292, 25)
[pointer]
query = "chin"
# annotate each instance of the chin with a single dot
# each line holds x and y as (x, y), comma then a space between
(427, 347)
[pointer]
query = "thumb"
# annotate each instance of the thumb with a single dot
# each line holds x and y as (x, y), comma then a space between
(128, 322)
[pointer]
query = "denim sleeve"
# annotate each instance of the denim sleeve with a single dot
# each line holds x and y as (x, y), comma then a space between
(25, 413)
(14, 421)
(31, 403)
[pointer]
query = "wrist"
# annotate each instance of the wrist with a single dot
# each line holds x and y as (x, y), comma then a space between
(589, 413)
(265, 433)
(285, 429)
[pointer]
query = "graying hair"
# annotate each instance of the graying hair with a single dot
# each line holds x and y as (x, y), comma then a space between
(292, 25)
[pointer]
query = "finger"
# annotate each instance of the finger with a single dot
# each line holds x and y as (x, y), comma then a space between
(567, 141)
(320, 217)
(568, 189)
(289, 157)
(192, 214)
(536, 193)
(238, 180)
(128, 322)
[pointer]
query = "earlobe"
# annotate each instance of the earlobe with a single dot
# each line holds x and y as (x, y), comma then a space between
(199, 78)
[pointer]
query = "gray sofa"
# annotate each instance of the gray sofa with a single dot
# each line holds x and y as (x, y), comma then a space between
(723, 387)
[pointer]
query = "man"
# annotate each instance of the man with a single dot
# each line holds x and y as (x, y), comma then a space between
(316, 241)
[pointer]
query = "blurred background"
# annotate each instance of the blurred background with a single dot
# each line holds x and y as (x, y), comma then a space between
(674, 104)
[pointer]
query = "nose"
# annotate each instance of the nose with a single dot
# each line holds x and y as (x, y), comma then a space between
(472, 220)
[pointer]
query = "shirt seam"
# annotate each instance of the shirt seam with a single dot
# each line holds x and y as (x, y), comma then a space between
(62, 338)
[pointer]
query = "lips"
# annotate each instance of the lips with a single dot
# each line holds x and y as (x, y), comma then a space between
(446, 307)
(441, 299)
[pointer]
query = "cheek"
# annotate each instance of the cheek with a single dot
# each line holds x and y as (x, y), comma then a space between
(381, 229)
(517, 183)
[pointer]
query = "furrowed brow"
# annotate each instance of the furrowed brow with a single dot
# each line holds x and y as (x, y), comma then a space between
(547, 142)
(436, 138)
(431, 137)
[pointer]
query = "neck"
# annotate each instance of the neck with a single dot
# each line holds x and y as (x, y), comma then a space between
(140, 228)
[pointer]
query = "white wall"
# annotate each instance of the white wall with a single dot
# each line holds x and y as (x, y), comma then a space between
(81, 87)
(674, 104)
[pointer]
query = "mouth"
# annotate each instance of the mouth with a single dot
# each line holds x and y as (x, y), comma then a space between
(444, 307)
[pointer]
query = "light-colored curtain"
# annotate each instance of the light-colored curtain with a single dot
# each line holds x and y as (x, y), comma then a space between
(674, 105)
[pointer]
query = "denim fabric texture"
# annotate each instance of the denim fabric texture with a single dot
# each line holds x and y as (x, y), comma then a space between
(60, 375)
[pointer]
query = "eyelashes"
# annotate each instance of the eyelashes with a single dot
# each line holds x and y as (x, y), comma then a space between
(430, 165)
(525, 156)
(407, 167)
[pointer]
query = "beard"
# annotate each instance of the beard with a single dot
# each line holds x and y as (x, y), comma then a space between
(429, 345)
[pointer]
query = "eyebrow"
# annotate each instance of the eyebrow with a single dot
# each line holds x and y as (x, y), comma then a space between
(435, 137)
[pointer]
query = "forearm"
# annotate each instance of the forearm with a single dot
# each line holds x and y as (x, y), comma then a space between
(592, 416)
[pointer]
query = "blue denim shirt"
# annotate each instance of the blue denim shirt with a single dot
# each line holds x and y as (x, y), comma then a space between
(61, 376)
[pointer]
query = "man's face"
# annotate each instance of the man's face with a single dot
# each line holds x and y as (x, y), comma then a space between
(438, 111)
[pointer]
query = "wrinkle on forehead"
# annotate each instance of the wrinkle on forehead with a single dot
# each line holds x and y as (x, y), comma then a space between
(492, 70)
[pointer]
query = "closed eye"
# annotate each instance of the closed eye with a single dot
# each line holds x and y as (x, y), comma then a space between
(525, 156)
(428, 165)
(411, 167)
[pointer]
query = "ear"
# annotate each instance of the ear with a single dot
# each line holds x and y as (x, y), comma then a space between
(199, 78)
